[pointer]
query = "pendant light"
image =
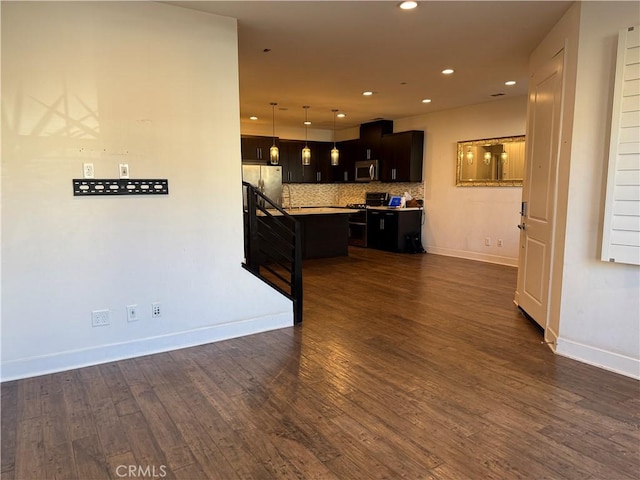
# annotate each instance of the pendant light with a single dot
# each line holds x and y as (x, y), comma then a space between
(306, 151)
(335, 155)
(274, 154)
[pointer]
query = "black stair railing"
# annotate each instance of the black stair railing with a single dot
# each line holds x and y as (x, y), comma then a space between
(272, 246)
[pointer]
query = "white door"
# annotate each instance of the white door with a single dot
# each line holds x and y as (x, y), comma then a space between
(539, 190)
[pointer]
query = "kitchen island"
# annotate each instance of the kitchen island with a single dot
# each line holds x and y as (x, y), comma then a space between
(325, 230)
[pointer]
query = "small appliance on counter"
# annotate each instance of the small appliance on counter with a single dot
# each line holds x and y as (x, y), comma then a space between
(395, 202)
(376, 199)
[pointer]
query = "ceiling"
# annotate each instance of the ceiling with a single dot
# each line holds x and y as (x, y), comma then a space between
(326, 53)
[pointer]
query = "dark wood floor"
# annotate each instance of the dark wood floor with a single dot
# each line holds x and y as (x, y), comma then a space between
(406, 366)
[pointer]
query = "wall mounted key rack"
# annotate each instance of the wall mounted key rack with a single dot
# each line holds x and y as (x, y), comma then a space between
(86, 187)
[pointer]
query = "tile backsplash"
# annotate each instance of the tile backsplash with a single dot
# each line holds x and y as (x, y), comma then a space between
(328, 194)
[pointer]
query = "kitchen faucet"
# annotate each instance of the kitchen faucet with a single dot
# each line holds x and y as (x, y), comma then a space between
(288, 187)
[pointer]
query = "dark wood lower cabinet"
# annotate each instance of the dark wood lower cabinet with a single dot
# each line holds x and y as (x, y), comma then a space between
(388, 229)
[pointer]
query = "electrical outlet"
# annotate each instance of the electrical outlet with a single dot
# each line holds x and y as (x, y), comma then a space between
(132, 313)
(499, 242)
(100, 318)
(487, 241)
(156, 310)
(87, 170)
(124, 170)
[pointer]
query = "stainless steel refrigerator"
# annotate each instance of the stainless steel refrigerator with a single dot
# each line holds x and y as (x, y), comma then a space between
(266, 178)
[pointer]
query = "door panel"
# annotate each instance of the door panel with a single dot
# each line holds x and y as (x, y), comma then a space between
(539, 190)
(534, 280)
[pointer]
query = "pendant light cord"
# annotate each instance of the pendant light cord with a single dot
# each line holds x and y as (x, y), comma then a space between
(306, 123)
(334, 128)
(273, 121)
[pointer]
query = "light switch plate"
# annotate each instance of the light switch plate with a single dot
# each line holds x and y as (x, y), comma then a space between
(132, 313)
(124, 170)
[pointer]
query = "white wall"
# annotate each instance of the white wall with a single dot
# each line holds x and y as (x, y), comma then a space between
(458, 219)
(600, 306)
(147, 84)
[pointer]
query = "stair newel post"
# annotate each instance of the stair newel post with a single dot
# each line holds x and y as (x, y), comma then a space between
(253, 257)
(296, 275)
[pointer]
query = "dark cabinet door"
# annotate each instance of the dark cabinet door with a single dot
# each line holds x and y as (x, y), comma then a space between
(387, 230)
(402, 156)
(382, 230)
(371, 138)
(321, 160)
(387, 158)
(349, 151)
(319, 169)
(374, 229)
(256, 148)
(291, 161)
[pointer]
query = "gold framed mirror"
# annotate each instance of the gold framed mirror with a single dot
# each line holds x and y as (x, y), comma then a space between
(491, 162)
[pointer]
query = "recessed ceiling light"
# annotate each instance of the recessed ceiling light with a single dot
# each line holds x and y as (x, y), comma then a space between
(253, 117)
(341, 115)
(447, 71)
(510, 82)
(367, 93)
(408, 5)
(426, 100)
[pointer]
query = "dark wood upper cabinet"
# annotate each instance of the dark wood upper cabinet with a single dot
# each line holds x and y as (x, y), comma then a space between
(291, 161)
(349, 153)
(321, 160)
(371, 138)
(401, 157)
(256, 148)
(319, 170)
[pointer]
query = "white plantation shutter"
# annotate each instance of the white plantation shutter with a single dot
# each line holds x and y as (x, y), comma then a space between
(621, 235)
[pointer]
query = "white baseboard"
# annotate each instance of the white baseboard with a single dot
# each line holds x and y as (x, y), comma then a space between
(551, 337)
(481, 257)
(41, 365)
(614, 362)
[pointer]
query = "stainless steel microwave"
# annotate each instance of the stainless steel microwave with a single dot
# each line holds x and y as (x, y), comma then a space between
(366, 171)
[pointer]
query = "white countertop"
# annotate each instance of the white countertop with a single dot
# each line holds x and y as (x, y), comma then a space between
(395, 209)
(314, 211)
(318, 210)
(336, 210)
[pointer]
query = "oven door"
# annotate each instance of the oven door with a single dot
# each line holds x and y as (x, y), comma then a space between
(366, 171)
(358, 228)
